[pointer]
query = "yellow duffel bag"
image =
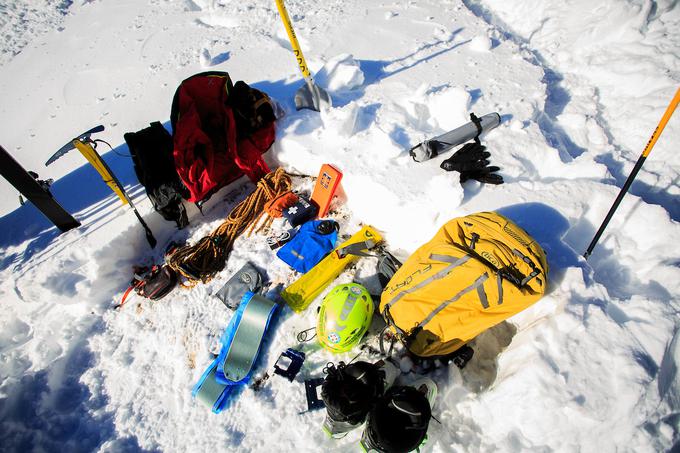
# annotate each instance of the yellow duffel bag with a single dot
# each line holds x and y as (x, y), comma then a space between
(477, 271)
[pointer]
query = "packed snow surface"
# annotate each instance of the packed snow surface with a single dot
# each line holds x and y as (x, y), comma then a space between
(579, 85)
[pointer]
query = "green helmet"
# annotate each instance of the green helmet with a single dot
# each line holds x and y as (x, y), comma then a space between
(344, 317)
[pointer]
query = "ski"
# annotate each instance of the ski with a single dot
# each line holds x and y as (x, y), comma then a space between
(36, 193)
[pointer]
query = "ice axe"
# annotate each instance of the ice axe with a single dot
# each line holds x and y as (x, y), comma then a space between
(310, 95)
(87, 148)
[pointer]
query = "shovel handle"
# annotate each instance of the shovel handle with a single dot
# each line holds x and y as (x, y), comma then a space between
(302, 64)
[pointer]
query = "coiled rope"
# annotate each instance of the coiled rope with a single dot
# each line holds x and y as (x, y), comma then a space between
(201, 261)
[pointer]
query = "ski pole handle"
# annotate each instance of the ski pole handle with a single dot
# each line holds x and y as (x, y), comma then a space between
(302, 64)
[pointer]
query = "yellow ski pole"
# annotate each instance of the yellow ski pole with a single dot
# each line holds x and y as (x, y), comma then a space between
(638, 165)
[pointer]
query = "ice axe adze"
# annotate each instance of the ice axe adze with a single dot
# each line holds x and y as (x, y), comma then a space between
(638, 165)
(87, 148)
(310, 95)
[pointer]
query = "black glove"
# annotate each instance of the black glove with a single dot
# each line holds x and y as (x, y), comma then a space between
(472, 162)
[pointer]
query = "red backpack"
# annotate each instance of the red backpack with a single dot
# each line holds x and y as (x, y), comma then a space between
(220, 131)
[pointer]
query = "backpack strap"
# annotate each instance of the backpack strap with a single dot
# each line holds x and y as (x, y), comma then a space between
(478, 124)
(453, 262)
(125, 295)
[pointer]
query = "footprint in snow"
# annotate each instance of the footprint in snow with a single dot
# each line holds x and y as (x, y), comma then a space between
(208, 60)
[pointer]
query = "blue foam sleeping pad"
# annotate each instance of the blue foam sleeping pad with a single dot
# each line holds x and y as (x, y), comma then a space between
(241, 343)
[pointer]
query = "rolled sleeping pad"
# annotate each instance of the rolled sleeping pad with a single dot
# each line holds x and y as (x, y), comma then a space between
(442, 143)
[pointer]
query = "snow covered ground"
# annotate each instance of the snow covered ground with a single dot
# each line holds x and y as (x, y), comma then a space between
(579, 85)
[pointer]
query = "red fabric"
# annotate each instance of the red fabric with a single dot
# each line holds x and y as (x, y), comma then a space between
(206, 152)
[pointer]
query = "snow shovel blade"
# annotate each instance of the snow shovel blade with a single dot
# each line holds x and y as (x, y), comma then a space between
(69, 146)
(311, 96)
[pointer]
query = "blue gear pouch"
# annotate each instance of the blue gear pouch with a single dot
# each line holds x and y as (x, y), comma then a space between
(313, 241)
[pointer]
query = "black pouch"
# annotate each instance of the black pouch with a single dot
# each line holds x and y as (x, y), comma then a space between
(300, 212)
(387, 266)
(247, 278)
(157, 283)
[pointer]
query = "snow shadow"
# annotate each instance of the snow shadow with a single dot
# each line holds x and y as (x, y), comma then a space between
(377, 70)
(81, 192)
(556, 100)
(650, 194)
(557, 97)
(621, 281)
(548, 227)
(51, 410)
(481, 372)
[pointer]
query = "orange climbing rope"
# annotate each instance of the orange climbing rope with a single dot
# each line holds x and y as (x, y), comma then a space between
(201, 261)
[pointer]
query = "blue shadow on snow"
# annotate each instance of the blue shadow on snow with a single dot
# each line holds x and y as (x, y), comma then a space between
(80, 192)
(548, 227)
(59, 413)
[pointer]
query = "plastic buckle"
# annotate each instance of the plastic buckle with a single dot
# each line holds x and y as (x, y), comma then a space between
(312, 392)
(289, 363)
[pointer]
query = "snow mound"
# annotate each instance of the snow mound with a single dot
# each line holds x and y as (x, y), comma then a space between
(341, 73)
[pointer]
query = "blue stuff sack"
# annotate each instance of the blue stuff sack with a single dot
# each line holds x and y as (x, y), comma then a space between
(313, 241)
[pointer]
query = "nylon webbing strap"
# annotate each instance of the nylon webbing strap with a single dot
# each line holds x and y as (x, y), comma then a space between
(499, 281)
(356, 249)
(478, 123)
(482, 296)
(246, 341)
(480, 280)
(534, 270)
(454, 262)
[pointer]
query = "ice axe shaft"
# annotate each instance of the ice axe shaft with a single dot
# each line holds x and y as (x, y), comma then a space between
(84, 144)
(88, 151)
(638, 165)
(310, 95)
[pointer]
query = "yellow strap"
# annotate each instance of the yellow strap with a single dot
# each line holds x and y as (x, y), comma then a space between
(293, 39)
(662, 124)
(95, 160)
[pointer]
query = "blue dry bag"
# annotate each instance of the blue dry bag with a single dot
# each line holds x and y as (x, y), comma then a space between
(313, 241)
